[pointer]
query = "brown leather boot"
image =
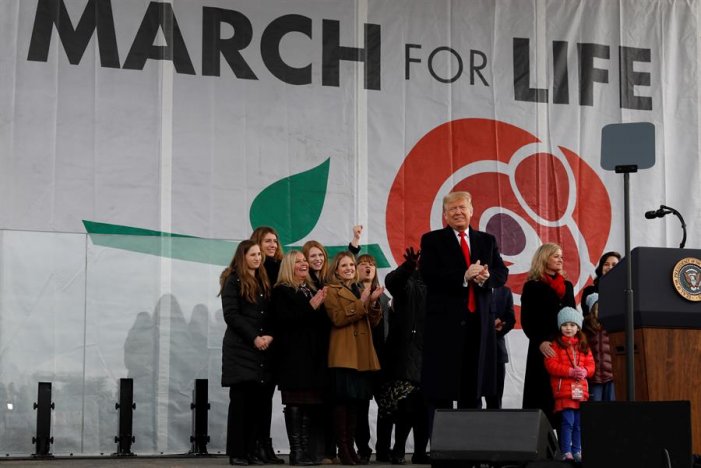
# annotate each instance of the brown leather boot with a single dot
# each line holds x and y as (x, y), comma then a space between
(343, 437)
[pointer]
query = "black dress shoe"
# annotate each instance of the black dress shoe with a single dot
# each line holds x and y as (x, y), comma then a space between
(238, 461)
(254, 460)
(421, 459)
(398, 460)
(382, 456)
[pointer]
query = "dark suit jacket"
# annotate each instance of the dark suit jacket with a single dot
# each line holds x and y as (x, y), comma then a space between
(503, 308)
(443, 267)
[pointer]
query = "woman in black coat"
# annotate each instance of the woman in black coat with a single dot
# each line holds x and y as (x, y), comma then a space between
(544, 294)
(246, 358)
(269, 242)
(302, 350)
(401, 396)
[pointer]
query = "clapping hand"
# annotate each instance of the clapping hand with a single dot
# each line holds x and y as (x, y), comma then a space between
(377, 293)
(318, 298)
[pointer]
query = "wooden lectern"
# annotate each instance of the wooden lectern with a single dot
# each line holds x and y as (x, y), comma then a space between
(667, 331)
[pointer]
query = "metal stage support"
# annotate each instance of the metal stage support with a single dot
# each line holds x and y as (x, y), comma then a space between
(44, 405)
(200, 408)
(126, 407)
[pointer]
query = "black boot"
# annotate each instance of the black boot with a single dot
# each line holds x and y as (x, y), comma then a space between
(265, 452)
(294, 422)
(304, 436)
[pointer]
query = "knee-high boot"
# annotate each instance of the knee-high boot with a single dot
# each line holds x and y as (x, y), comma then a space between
(352, 427)
(344, 437)
(294, 422)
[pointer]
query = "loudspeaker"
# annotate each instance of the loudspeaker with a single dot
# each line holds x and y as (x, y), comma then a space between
(643, 434)
(465, 438)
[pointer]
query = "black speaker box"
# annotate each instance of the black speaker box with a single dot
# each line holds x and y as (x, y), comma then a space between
(642, 434)
(465, 438)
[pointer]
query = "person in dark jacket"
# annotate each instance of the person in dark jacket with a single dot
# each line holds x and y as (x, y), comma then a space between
(269, 241)
(246, 362)
(502, 314)
(606, 262)
(601, 386)
(302, 350)
(401, 397)
(367, 274)
(460, 266)
(323, 441)
(544, 294)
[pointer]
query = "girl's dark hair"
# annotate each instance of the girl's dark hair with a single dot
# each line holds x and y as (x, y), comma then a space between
(583, 343)
(367, 258)
(251, 286)
(600, 267)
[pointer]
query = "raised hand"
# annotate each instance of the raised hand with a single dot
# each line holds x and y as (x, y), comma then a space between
(411, 256)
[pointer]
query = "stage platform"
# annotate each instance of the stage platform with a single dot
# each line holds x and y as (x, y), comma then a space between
(170, 461)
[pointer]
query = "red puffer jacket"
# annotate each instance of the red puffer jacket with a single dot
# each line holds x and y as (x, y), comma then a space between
(559, 367)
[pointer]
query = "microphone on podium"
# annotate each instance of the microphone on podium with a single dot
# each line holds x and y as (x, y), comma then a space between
(663, 211)
(659, 213)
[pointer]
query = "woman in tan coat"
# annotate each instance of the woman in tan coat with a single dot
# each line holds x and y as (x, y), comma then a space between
(352, 358)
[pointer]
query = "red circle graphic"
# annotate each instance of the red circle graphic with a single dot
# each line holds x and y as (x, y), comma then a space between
(525, 199)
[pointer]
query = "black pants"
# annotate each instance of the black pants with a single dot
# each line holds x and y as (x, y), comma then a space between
(411, 414)
(494, 401)
(248, 402)
(468, 395)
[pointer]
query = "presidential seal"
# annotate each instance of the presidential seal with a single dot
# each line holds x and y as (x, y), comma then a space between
(687, 278)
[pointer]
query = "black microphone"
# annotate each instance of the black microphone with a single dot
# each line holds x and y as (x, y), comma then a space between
(655, 213)
(664, 211)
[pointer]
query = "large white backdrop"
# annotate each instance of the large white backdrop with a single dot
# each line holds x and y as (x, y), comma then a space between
(140, 140)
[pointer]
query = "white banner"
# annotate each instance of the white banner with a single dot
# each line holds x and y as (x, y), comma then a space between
(140, 140)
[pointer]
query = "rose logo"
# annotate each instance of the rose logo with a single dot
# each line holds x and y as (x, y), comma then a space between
(522, 195)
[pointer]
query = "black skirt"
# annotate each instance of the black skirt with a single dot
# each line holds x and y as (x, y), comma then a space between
(350, 384)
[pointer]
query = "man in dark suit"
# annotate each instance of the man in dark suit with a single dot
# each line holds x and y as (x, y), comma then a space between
(502, 314)
(459, 361)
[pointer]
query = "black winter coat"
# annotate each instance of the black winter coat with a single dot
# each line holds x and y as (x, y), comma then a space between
(241, 361)
(539, 308)
(302, 340)
(404, 345)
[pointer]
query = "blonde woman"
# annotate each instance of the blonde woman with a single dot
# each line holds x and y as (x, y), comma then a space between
(544, 294)
(301, 349)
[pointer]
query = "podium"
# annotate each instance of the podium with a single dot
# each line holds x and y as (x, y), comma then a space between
(667, 331)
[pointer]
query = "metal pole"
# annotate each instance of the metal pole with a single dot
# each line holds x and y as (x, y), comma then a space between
(630, 337)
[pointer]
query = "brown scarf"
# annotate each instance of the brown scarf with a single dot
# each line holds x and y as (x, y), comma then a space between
(557, 283)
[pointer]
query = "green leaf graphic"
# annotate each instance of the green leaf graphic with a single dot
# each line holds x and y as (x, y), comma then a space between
(292, 205)
(185, 247)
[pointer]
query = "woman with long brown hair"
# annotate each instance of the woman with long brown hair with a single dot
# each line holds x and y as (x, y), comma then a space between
(269, 242)
(352, 358)
(544, 294)
(246, 359)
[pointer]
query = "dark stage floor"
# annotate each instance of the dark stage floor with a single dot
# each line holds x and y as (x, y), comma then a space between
(144, 462)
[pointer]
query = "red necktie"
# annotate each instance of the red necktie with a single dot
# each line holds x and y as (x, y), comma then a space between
(471, 306)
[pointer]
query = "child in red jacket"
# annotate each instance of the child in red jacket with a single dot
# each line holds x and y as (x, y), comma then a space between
(569, 369)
